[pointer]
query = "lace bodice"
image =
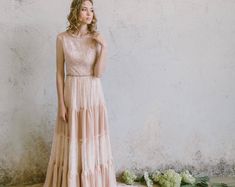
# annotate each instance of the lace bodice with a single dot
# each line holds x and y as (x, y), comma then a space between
(79, 53)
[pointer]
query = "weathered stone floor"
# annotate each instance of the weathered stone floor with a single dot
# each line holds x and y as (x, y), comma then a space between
(230, 181)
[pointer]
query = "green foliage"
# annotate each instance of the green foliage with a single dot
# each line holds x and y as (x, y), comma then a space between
(155, 175)
(168, 178)
(199, 182)
(187, 178)
(202, 181)
(147, 179)
(128, 177)
(219, 185)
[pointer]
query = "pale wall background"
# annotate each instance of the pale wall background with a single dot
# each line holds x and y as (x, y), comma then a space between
(169, 84)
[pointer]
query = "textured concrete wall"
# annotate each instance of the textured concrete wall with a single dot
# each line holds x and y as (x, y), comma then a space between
(168, 85)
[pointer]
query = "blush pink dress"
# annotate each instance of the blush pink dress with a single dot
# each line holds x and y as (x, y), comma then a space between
(81, 154)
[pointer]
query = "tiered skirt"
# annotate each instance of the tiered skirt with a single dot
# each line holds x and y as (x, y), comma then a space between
(81, 154)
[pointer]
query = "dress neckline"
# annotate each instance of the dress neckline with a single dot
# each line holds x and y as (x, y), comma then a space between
(78, 37)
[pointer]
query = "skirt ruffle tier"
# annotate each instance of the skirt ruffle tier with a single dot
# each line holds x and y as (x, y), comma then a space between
(81, 154)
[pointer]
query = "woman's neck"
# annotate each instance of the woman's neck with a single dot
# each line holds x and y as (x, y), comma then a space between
(83, 30)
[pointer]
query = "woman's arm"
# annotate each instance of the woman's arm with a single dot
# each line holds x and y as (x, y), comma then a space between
(60, 71)
(100, 63)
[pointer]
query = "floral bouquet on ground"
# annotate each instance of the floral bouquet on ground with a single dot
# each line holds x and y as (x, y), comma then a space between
(167, 178)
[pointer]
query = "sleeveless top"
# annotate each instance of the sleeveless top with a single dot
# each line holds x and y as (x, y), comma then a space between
(79, 53)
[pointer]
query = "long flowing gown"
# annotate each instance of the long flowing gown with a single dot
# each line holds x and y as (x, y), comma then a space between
(81, 154)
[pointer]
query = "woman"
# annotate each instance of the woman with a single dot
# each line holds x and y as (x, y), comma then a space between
(81, 153)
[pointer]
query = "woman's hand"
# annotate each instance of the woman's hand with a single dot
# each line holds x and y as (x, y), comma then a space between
(100, 39)
(63, 113)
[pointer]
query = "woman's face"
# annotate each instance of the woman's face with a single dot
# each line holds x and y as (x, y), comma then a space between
(86, 12)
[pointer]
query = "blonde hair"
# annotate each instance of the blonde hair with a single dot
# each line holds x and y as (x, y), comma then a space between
(73, 18)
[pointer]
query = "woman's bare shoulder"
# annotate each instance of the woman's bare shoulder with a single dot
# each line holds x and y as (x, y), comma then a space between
(61, 34)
